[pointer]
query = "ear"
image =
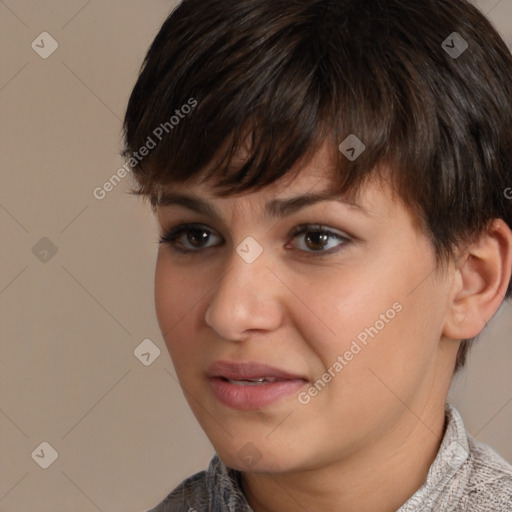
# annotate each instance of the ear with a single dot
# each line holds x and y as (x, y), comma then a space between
(481, 279)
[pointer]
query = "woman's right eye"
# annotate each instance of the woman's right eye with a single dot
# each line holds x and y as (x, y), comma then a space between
(195, 234)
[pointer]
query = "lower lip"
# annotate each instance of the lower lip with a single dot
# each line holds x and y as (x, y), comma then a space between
(253, 397)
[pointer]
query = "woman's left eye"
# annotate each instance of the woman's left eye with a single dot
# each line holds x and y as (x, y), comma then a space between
(317, 238)
(196, 235)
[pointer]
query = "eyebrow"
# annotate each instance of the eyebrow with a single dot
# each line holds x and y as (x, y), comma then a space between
(277, 208)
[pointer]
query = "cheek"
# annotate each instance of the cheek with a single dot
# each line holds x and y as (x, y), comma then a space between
(391, 356)
(177, 295)
(349, 305)
(372, 315)
(166, 302)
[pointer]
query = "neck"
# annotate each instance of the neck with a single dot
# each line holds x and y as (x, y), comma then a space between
(381, 476)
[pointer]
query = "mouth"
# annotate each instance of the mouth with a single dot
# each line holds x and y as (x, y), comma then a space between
(251, 385)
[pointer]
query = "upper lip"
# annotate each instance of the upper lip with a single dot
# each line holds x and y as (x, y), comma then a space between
(248, 370)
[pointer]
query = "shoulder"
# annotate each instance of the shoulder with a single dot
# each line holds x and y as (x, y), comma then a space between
(489, 485)
(466, 475)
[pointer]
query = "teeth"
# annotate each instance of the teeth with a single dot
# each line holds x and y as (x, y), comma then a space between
(252, 382)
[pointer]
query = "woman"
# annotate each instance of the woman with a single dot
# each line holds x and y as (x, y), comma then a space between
(329, 180)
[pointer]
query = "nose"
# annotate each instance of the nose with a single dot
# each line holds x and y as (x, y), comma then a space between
(249, 297)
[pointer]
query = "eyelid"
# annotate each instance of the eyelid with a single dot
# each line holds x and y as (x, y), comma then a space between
(318, 227)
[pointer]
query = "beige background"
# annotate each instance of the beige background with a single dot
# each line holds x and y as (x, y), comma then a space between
(69, 325)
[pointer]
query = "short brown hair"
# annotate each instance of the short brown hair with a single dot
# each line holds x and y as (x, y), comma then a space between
(297, 73)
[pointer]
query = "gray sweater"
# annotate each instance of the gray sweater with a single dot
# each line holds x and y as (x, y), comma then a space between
(466, 476)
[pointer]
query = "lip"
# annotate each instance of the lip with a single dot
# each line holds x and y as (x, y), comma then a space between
(250, 397)
(248, 370)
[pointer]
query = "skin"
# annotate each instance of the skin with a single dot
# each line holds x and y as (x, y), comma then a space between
(367, 440)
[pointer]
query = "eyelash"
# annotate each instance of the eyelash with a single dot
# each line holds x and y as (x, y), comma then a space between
(171, 236)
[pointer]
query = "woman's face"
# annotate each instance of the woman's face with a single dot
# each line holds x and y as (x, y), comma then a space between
(355, 306)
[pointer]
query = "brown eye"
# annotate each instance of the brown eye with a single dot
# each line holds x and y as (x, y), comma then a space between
(317, 239)
(187, 238)
(197, 237)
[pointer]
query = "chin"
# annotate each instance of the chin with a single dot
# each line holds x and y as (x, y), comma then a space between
(249, 458)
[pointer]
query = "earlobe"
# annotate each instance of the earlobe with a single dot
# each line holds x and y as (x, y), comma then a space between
(481, 281)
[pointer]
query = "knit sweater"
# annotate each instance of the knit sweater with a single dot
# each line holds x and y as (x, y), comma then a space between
(466, 476)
